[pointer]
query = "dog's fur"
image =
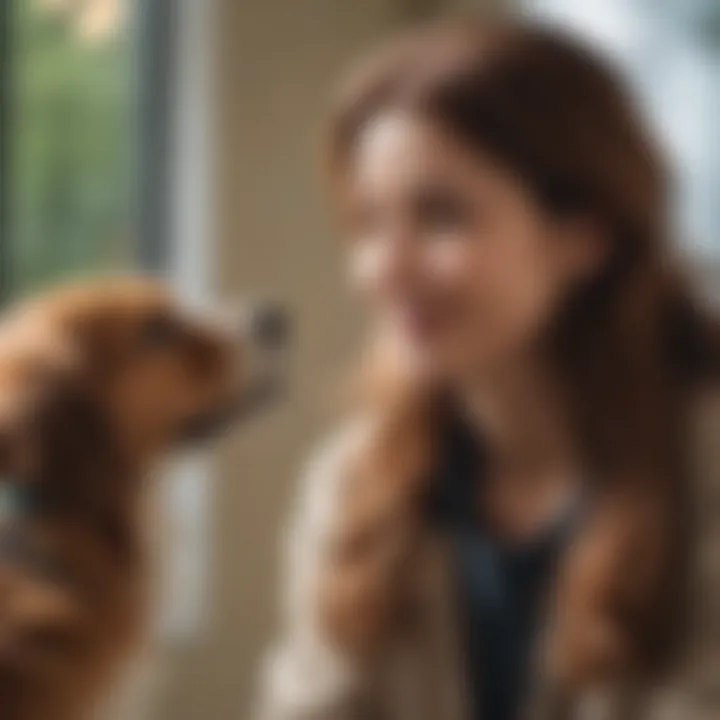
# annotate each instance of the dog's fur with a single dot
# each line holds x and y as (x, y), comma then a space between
(96, 382)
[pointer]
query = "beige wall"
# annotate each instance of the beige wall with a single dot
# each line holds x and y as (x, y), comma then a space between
(277, 62)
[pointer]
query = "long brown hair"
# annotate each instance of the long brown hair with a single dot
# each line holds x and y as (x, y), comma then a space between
(628, 348)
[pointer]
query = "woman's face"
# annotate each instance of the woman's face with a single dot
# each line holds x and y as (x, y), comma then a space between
(458, 263)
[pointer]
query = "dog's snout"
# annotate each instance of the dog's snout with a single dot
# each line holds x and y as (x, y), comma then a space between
(270, 325)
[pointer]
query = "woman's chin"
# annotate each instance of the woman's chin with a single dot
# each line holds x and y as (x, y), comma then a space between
(418, 360)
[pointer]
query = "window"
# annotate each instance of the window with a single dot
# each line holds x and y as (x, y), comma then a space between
(77, 129)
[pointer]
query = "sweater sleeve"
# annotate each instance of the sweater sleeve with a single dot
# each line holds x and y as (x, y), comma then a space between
(303, 677)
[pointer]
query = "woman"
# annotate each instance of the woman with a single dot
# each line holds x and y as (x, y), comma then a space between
(509, 527)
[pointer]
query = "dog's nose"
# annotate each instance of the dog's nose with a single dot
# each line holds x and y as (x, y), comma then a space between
(270, 325)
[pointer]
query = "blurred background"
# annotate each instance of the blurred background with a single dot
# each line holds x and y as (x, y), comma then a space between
(184, 137)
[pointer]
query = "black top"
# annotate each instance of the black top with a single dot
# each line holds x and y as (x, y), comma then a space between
(501, 587)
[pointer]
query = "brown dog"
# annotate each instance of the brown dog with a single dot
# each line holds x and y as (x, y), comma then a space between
(96, 383)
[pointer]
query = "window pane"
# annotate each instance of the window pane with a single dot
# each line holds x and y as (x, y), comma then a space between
(73, 138)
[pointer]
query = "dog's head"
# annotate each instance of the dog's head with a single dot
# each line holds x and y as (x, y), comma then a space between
(119, 368)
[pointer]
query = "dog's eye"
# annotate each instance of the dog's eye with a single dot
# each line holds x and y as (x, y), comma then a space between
(158, 332)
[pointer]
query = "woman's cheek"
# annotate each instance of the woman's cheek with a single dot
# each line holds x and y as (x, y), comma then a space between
(448, 261)
(453, 282)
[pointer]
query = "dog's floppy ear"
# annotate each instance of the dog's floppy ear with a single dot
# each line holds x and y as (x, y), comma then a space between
(77, 464)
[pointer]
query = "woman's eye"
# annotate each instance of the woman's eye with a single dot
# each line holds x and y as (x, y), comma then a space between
(158, 332)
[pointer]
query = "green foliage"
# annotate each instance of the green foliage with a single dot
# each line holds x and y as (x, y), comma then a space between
(73, 141)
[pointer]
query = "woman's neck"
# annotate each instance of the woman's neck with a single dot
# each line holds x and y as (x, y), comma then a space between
(532, 467)
(518, 409)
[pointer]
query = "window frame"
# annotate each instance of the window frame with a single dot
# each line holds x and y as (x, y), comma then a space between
(156, 81)
(152, 24)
